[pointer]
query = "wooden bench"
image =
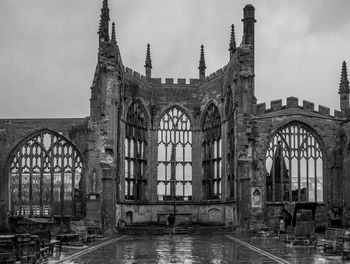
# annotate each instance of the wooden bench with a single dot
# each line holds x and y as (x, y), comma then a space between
(7, 249)
(86, 237)
(27, 247)
(333, 239)
(47, 244)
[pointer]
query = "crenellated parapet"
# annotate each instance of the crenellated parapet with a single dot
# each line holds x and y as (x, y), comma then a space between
(293, 102)
(171, 81)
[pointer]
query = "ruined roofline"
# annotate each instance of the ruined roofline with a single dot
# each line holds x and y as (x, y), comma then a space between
(293, 102)
(171, 81)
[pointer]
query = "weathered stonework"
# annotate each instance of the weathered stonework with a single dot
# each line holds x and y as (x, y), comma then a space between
(246, 130)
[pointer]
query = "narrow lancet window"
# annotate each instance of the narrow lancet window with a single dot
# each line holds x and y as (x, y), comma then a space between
(212, 153)
(135, 157)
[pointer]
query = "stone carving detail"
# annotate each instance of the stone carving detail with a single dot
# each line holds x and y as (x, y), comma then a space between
(256, 197)
(93, 181)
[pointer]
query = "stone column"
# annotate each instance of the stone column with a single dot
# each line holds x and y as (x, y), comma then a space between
(197, 185)
(108, 198)
(243, 191)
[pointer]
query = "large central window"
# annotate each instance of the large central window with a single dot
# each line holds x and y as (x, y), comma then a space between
(45, 176)
(174, 177)
(294, 163)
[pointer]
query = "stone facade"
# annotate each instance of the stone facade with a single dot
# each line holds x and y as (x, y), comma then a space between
(246, 130)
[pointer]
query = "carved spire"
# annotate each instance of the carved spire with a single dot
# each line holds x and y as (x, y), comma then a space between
(202, 66)
(232, 47)
(344, 82)
(148, 62)
(103, 30)
(344, 90)
(113, 33)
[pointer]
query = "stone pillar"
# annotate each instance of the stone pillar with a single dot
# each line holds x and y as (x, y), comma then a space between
(243, 191)
(108, 198)
(197, 185)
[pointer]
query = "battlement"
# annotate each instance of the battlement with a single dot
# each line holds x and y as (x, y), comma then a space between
(213, 75)
(293, 102)
(172, 81)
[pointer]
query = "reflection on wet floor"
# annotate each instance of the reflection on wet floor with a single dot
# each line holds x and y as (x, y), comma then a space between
(200, 249)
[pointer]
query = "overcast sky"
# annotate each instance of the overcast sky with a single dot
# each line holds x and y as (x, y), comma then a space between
(48, 49)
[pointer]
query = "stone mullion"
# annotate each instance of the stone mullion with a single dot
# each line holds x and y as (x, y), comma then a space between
(299, 171)
(273, 176)
(307, 172)
(315, 174)
(290, 163)
(73, 159)
(30, 180)
(42, 151)
(19, 160)
(52, 171)
(62, 180)
(281, 173)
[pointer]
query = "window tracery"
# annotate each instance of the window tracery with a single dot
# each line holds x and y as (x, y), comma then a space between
(174, 176)
(294, 163)
(135, 152)
(212, 153)
(45, 176)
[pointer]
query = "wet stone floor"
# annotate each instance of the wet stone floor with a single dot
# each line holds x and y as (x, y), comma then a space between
(169, 249)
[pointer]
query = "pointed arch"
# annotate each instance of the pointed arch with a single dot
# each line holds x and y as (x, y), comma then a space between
(181, 108)
(211, 163)
(294, 164)
(45, 176)
(174, 169)
(135, 151)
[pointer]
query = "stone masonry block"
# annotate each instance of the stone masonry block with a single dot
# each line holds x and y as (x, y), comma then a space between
(218, 71)
(337, 114)
(308, 105)
(137, 75)
(128, 70)
(276, 104)
(323, 110)
(169, 80)
(292, 102)
(156, 80)
(181, 81)
(261, 108)
(194, 81)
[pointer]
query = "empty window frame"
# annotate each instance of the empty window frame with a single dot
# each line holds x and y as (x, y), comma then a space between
(135, 152)
(212, 153)
(174, 176)
(45, 176)
(294, 164)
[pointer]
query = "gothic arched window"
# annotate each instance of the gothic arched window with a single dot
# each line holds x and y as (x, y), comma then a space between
(45, 176)
(174, 156)
(294, 164)
(212, 153)
(135, 149)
